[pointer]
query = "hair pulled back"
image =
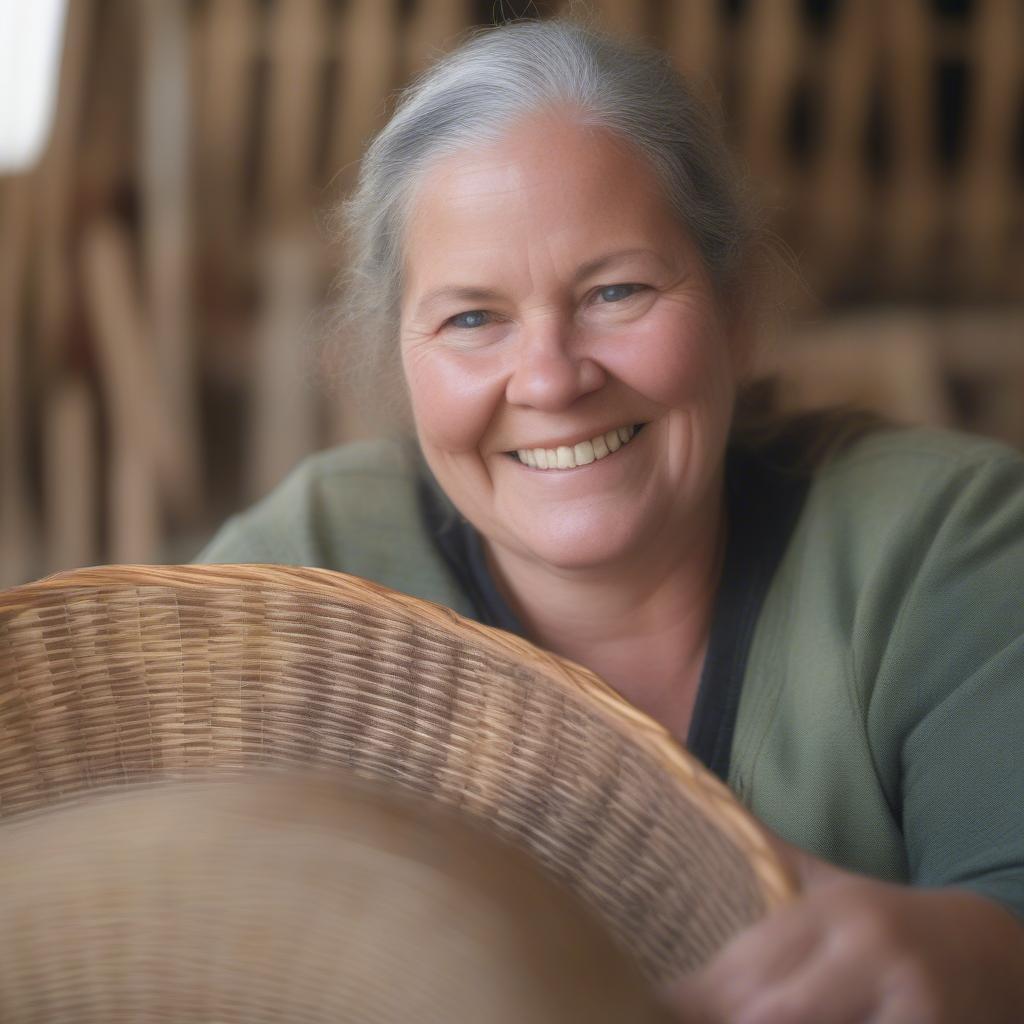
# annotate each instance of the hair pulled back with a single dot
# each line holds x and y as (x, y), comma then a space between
(473, 95)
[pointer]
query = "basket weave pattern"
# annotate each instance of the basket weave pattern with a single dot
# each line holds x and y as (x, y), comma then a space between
(291, 898)
(129, 674)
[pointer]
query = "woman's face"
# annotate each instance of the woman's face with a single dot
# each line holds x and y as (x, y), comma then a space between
(553, 304)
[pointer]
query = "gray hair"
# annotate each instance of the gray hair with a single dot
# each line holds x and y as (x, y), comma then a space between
(474, 94)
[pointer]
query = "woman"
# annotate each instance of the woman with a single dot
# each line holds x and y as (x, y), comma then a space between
(550, 238)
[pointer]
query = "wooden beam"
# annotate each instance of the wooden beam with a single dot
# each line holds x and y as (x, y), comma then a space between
(367, 55)
(225, 45)
(284, 404)
(694, 39)
(911, 202)
(296, 40)
(144, 449)
(771, 47)
(17, 535)
(623, 18)
(838, 208)
(987, 191)
(165, 183)
(71, 475)
(56, 183)
(433, 30)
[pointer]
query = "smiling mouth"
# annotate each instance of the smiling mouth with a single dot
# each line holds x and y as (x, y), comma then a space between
(582, 454)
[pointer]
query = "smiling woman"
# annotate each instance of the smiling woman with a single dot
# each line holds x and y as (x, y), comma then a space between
(551, 244)
(600, 318)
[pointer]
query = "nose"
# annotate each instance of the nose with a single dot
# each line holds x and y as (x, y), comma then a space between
(550, 372)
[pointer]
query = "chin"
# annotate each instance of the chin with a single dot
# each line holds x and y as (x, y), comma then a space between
(571, 545)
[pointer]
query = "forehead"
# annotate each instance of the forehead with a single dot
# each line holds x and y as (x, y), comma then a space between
(551, 189)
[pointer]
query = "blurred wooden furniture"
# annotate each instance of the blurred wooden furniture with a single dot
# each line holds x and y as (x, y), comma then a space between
(195, 142)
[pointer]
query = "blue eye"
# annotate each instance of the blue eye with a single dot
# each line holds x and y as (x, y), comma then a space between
(617, 292)
(471, 318)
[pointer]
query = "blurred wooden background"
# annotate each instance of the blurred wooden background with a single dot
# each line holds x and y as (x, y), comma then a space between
(161, 268)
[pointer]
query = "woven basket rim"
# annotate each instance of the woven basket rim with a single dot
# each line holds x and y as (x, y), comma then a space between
(704, 789)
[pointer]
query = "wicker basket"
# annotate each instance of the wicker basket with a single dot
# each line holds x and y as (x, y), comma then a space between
(292, 900)
(134, 674)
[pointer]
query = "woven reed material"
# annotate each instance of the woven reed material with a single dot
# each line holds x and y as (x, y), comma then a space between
(291, 900)
(127, 674)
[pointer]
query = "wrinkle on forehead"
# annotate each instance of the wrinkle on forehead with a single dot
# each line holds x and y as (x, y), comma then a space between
(514, 198)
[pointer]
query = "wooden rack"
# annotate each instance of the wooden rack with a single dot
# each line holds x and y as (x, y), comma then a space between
(160, 269)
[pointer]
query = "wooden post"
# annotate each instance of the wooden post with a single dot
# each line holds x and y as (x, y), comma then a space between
(770, 55)
(17, 536)
(135, 531)
(623, 18)
(144, 453)
(838, 204)
(71, 476)
(434, 28)
(912, 199)
(284, 410)
(694, 39)
(367, 54)
(986, 195)
(165, 184)
(284, 404)
(55, 186)
(296, 43)
(223, 93)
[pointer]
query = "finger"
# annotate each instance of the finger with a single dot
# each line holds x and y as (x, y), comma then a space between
(754, 960)
(828, 988)
(902, 1009)
(907, 999)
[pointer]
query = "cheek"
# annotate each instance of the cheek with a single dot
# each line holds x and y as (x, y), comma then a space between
(676, 362)
(453, 399)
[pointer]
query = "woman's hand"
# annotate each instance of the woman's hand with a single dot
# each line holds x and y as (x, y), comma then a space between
(853, 950)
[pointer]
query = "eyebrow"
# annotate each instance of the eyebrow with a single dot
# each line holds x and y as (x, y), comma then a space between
(611, 258)
(459, 293)
(471, 294)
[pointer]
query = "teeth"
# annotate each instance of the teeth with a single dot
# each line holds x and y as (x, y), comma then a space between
(581, 454)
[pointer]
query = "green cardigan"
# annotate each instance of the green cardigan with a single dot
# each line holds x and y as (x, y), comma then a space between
(881, 721)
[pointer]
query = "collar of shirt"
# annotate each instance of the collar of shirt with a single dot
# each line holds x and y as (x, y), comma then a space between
(763, 503)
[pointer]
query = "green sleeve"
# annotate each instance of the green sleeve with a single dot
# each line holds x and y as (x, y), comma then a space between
(238, 542)
(262, 534)
(347, 509)
(946, 713)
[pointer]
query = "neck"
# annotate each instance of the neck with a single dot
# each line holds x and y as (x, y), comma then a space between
(642, 628)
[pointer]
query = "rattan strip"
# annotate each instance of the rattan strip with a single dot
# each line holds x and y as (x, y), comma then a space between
(323, 658)
(706, 790)
(291, 899)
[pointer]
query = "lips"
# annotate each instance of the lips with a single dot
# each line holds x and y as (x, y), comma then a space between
(581, 454)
